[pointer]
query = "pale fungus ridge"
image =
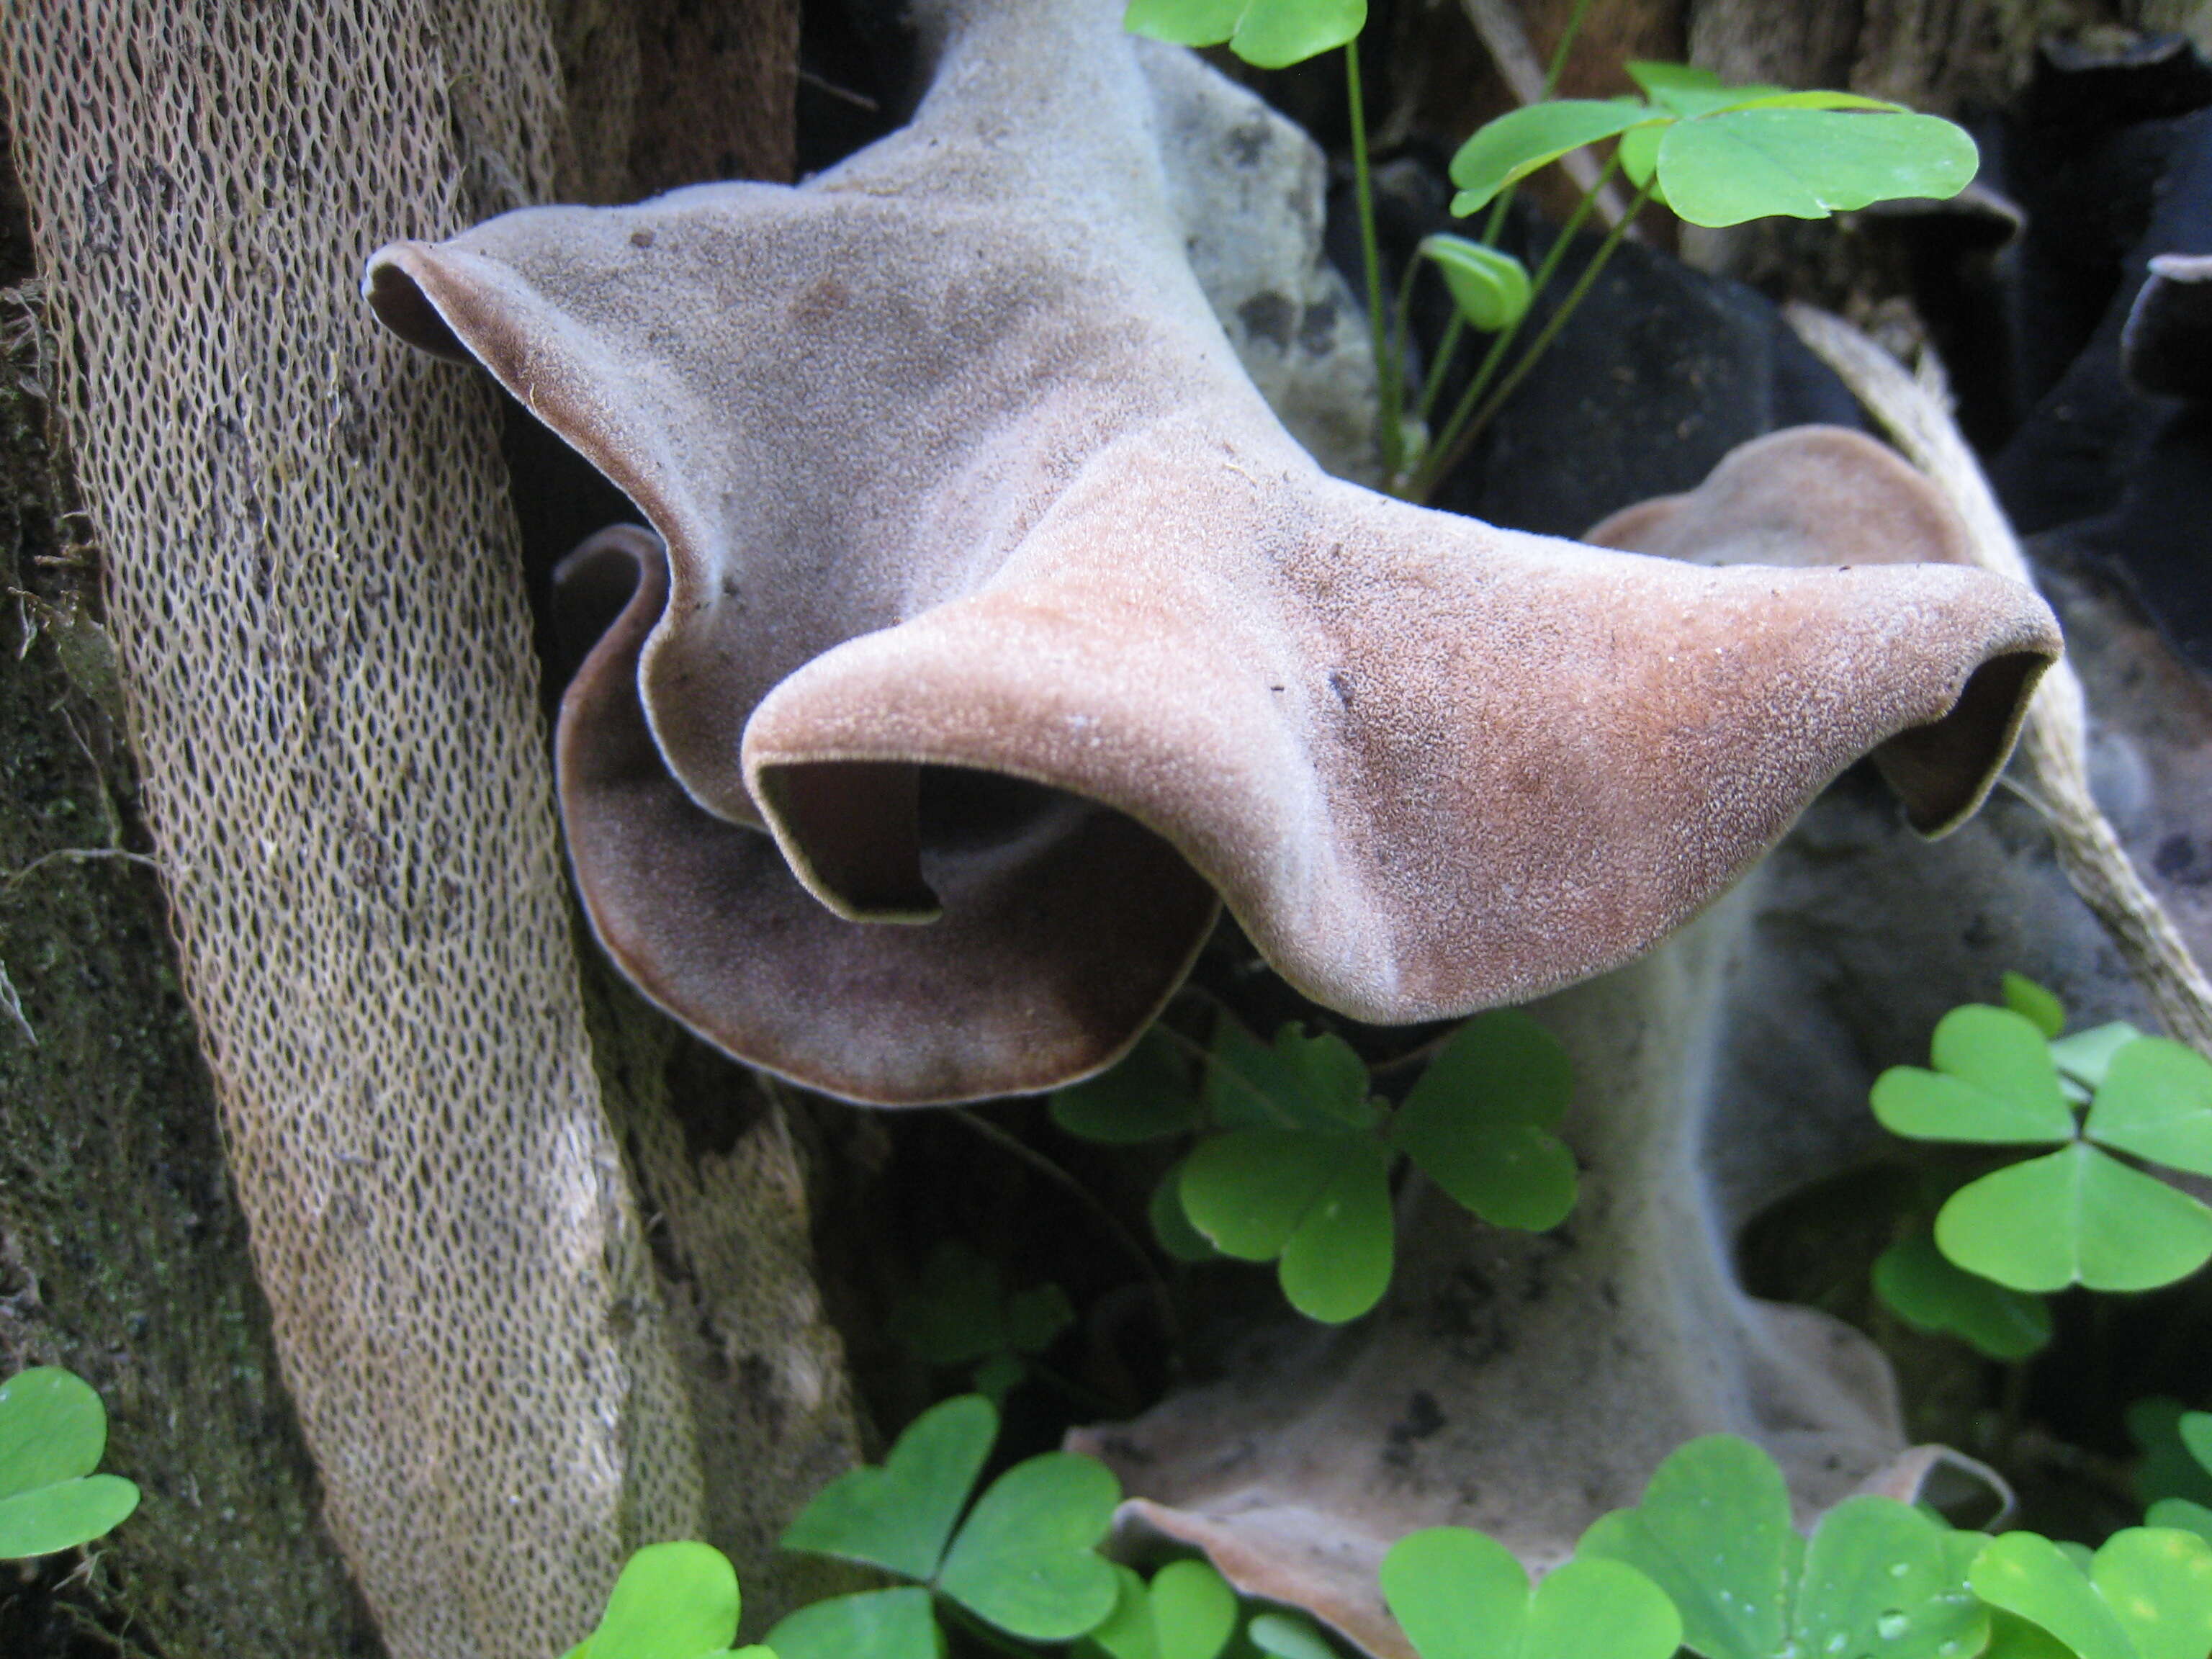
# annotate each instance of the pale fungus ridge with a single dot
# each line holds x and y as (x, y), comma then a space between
(1000, 625)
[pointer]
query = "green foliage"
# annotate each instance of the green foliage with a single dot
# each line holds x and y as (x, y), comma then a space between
(962, 1314)
(892, 1624)
(1286, 1636)
(1714, 1533)
(1718, 154)
(2174, 1477)
(1148, 1095)
(1458, 1594)
(1490, 288)
(1187, 1612)
(2147, 1594)
(1024, 1562)
(676, 1601)
(52, 1432)
(1479, 1122)
(1296, 1155)
(2079, 1215)
(1708, 1561)
(1929, 1290)
(1268, 33)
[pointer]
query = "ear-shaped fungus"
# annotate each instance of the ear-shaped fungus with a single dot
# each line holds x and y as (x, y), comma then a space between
(996, 600)
(1526, 1383)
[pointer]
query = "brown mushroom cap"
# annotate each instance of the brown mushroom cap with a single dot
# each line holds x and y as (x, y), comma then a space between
(957, 476)
(1817, 495)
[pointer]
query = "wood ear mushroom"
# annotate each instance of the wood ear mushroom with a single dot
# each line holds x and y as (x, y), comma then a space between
(990, 625)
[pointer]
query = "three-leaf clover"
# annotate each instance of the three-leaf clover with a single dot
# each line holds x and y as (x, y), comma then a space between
(2078, 1215)
(962, 1314)
(1309, 1188)
(1303, 1181)
(1267, 33)
(1714, 1533)
(52, 1432)
(1025, 1560)
(1458, 1594)
(2147, 1594)
(1718, 154)
(676, 1601)
(1296, 1162)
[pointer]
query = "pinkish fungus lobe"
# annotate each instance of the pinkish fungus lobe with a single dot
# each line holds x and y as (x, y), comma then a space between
(1000, 626)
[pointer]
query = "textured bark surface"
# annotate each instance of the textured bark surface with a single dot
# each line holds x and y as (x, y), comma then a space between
(460, 1205)
(668, 93)
(123, 1253)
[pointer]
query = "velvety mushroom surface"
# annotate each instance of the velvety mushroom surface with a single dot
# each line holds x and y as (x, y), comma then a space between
(999, 625)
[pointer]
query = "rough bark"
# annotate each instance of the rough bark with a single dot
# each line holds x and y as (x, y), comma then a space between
(123, 1255)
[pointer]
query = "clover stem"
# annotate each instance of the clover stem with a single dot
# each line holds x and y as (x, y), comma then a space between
(1435, 383)
(1446, 452)
(1401, 314)
(1015, 1146)
(1210, 1061)
(1463, 441)
(1392, 439)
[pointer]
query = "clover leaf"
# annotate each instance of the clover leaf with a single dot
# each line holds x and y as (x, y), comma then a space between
(1319, 1202)
(1504, 151)
(1303, 1181)
(2171, 1465)
(1491, 288)
(2077, 1216)
(1719, 154)
(892, 1624)
(2177, 1459)
(1714, 1533)
(899, 1517)
(2182, 1515)
(676, 1600)
(1148, 1094)
(1267, 33)
(2147, 1593)
(2036, 1004)
(962, 1314)
(1025, 1560)
(2084, 1058)
(1686, 89)
(2074, 1217)
(1286, 1636)
(1458, 1594)
(1930, 1292)
(1315, 1084)
(1187, 1612)
(1298, 1166)
(1806, 162)
(2156, 1101)
(1171, 1226)
(1994, 1081)
(1479, 1121)
(53, 1430)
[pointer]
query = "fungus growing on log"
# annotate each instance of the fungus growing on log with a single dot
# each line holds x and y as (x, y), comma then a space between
(1000, 626)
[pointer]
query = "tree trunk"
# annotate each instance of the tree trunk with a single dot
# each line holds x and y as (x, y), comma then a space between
(123, 1253)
